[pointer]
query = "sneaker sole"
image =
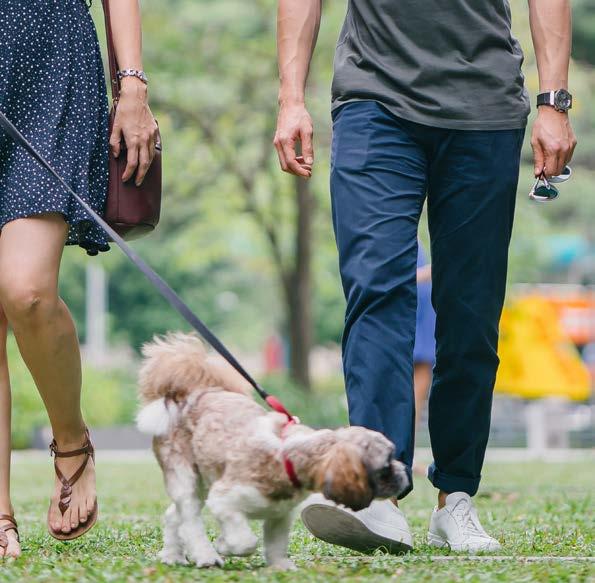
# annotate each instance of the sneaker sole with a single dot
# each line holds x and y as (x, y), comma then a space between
(338, 527)
(435, 540)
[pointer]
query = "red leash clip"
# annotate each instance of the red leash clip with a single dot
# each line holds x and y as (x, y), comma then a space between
(276, 405)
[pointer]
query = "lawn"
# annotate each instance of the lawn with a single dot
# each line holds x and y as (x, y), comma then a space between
(535, 510)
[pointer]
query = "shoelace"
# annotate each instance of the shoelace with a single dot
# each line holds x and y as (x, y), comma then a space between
(463, 511)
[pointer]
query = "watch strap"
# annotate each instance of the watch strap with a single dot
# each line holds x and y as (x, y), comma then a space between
(546, 98)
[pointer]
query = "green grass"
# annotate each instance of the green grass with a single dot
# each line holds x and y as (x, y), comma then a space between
(534, 509)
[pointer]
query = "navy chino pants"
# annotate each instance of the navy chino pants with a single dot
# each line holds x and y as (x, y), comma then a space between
(382, 168)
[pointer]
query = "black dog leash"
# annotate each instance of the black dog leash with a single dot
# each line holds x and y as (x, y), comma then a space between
(156, 280)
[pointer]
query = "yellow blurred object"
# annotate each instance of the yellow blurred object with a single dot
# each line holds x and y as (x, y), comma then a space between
(537, 359)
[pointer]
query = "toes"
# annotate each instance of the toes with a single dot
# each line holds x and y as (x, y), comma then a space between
(55, 516)
(66, 528)
(83, 514)
(74, 517)
(14, 549)
(90, 505)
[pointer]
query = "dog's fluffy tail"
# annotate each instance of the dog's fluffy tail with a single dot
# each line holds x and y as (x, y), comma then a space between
(174, 366)
(158, 417)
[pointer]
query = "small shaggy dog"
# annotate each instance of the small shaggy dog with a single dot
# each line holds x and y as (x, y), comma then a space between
(218, 448)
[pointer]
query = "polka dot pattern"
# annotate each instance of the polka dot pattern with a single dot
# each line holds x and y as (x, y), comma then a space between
(52, 87)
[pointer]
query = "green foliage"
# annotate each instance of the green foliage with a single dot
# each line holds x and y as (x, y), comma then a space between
(325, 406)
(547, 516)
(583, 31)
(213, 88)
(108, 398)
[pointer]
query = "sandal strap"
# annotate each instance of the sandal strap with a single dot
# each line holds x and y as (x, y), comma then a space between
(68, 483)
(75, 477)
(4, 528)
(9, 518)
(54, 450)
(87, 448)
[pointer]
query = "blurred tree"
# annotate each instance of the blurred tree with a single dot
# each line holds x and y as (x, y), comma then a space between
(583, 31)
(220, 78)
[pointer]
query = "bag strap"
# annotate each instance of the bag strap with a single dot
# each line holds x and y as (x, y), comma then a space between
(111, 53)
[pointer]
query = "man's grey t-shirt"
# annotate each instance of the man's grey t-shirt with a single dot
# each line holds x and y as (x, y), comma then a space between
(445, 63)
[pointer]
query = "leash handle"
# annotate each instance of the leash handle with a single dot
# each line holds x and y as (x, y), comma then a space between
(158, 282)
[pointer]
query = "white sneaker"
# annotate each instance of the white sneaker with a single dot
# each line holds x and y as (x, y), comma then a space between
(380, 526)
(457, 526)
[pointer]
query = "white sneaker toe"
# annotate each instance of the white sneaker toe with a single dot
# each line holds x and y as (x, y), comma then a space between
(456, 526)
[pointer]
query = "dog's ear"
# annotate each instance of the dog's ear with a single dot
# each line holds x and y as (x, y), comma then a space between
(343, 477)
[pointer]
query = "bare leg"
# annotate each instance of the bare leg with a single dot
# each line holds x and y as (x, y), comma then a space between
(30, 254)
(422, 377)
(13, 549)
(276, 542)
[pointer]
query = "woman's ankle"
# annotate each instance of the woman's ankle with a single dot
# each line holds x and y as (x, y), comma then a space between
(6, 507)
(71, 438)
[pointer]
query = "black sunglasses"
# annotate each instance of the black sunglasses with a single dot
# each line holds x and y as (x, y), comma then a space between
(543, 189)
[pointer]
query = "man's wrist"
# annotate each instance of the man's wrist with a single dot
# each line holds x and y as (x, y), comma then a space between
(546, 85)
(291, 97)
(550, 111)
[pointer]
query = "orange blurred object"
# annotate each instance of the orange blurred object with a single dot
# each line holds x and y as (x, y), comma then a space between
(574, 304)
(537, 357)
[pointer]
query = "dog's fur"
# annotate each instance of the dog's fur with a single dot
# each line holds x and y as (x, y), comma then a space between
(219, 448)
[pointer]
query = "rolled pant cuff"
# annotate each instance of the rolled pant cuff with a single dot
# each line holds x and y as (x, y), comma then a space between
(449, 483)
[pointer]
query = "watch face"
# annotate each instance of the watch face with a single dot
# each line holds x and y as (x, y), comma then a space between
(562, 100)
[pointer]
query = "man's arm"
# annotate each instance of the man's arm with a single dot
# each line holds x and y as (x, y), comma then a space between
(297, 29)
(553, 140)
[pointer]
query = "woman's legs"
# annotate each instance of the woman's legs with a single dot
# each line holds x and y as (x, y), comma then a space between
(13, 549)
(422, 378)
(30, 254)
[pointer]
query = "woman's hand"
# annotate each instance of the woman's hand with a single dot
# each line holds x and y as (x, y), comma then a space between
(135, 124)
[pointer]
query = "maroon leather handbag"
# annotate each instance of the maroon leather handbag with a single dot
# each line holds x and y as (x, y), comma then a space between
(132, 211)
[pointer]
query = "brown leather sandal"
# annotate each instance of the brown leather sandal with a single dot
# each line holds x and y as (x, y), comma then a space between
(5, 528)
(66, 491)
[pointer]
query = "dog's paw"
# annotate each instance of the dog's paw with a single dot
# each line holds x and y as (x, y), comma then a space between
(206, 559)
(237, 548)
(284, 564)
(171, 557)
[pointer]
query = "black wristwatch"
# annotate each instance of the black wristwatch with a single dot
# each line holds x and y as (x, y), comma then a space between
(560, 100)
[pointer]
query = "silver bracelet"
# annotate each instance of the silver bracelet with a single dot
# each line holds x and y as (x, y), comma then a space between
(133, 73)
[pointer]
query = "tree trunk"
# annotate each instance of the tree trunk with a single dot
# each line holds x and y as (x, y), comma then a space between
(299, 296)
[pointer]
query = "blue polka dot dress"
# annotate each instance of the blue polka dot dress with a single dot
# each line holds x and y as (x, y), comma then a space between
(52, 88)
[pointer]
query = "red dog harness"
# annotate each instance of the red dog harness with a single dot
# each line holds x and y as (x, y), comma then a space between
(276, 405)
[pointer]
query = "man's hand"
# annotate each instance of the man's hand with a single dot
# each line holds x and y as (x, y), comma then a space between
(553, 141)
(294, 126)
